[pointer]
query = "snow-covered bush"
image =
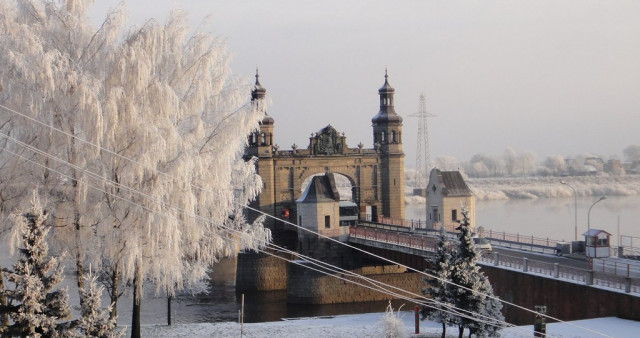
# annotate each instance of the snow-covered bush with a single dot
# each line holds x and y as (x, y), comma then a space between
(392, 325)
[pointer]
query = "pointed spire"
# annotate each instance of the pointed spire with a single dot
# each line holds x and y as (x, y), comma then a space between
(257, 78)
(386, 87)
(258, 92)
(257, 97)
(387, 113)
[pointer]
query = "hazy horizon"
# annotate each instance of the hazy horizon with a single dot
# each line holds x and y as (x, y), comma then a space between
(551, 77)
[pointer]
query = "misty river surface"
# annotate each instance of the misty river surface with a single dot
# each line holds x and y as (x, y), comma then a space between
(552, 218)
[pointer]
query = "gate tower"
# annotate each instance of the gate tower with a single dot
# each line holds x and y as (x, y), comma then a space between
(376, 174)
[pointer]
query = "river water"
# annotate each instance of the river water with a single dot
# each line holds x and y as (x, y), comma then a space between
(553, 218)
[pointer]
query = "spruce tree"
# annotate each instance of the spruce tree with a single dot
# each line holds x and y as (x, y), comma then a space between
(472, 291)
(35, 308)
(95, 321)
(489, 324)
(438, 287)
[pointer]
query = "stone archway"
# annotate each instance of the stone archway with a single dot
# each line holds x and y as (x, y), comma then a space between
(344, 184)
(368, 170)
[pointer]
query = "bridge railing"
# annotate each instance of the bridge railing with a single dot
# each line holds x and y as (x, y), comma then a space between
(533, 242)
(393, 237)
(530, 242)
(408, 223)
(571, 273)
(630, 246)
(553, 270)
(618, 267)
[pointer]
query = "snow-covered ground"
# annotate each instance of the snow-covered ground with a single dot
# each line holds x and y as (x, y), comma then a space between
(370, 325)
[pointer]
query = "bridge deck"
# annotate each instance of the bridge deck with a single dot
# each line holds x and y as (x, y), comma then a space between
(422, 242)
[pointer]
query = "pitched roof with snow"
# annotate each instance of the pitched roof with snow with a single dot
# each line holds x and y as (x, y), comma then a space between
(320, 189)
(596, 232)
(453, 184)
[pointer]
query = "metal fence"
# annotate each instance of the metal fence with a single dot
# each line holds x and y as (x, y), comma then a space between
(554, 270)
(617, 267)
(528, 242)
(409, 240)
(600, 275)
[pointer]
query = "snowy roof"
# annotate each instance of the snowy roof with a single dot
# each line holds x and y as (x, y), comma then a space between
(595, 232)
(347, 204)
(321, 189)
(453, 184)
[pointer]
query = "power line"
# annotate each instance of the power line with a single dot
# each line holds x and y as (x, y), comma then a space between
(376, 285)
(285, 221)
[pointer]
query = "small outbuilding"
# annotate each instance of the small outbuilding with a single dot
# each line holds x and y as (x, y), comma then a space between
(319, 208)
(447, 194)
(597, 243)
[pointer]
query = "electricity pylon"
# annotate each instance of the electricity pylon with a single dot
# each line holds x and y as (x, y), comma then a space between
(422, 154)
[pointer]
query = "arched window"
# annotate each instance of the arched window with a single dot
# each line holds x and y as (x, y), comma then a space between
(393, 137)
(263, 138)
(382, 137)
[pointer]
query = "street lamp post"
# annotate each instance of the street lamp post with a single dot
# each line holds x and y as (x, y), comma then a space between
(593, 252)
(589, 213)
(575, 208)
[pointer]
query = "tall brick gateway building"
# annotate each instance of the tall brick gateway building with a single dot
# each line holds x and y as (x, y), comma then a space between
(376, 175)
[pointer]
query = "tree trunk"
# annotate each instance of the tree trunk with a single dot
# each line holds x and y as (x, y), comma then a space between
(169, 310)
(76, 224)
(444, 330)
(137, 295)
(114, 292)
(4, 317)
(79, 271)
(460, 331)
(79, 265)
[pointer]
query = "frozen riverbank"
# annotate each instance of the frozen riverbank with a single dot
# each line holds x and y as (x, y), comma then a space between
(504, 188)
(369, 325)
(551, 187)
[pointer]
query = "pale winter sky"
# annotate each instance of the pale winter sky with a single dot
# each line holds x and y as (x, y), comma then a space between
(553, 77)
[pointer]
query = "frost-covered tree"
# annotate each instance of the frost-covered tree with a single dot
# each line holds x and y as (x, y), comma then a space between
(190, 154)
(166, 123)
(489, 324)
(528, 162)
(472, 291)
(52, 69)
(35, 308)
(438, 288)
(510, 161)
(94, 320)
(632, 153)
(555, 164)
(447, 163)
(478, 169)
(482, 165)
